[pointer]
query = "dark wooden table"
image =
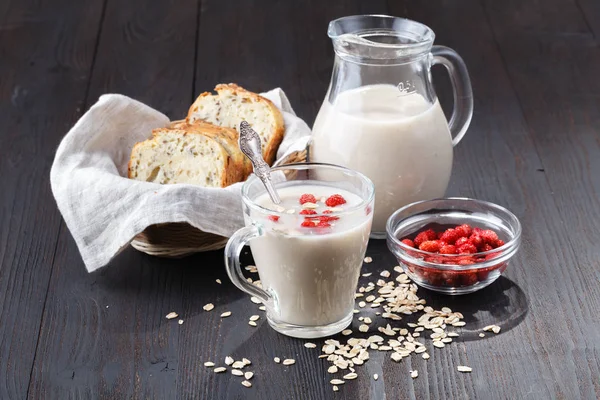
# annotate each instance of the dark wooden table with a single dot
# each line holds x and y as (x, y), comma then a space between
(533, 146)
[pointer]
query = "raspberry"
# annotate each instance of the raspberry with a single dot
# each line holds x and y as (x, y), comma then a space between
(476, 241)
(429, 234)
(335, 200)
(307, 223)
(307, 198)
(274, 218)
(463, 230)
(489, 236)
(467, 248)
(476, 231)
(487, 247)
(448, 249)
(461, 241)
(450, 278)
(466, 262)
(408, 242)
(325, 218)
(450, 236)
(499, 242)
(307, 212)
(469, 279)
(323, 224)
(430, 246)
(327, 212)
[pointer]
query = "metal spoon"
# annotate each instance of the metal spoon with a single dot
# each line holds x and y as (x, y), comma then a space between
(250, 146)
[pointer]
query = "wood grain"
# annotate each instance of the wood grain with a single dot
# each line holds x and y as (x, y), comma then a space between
(45, 56)
(533, 147)
(103, 335)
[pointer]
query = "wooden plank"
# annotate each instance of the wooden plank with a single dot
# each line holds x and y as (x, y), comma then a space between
(104, 334)
(554, 69)
(499, 161)
(590, 10)
(46, 52)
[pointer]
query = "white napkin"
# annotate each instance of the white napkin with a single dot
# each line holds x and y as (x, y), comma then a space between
(104, 209)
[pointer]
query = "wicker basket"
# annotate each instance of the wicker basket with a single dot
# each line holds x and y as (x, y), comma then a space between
(175, 240)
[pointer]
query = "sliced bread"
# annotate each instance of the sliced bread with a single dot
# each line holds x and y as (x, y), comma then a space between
(227, 137)
(233, 104)
(184, 156)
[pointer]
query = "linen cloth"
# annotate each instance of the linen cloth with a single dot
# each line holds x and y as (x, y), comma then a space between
(104, 210)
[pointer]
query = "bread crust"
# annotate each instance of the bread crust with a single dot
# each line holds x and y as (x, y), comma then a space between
(270, 149)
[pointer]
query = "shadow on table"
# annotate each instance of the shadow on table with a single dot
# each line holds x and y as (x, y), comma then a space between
(503, 303)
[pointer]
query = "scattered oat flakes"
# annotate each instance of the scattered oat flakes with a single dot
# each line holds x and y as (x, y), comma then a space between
(229, 360)
(262, 308)
(172, 315)
(482, 334)
(439, 344)
(237, 372)
(362, 304)
(289, 361)
(463, 368)
(226, 314)
(368, 260)
(425, 356)
(252, 323)
(367, 274)
(385, 273)
(180, 322)
(246, 384)
(255, 318)
(209, 364)
(414, 374)
(219, 369)
(246, 361)
(208, 307)
(255, 300)
(347, 332)
(363, 328)
(496, 329)
(335, 388)
(332, 370)
(351, 375)
(248, 375)
(218, 281)
(277, 360)
(336, 382)
(375, 376)
(310, 345)
(238, 365)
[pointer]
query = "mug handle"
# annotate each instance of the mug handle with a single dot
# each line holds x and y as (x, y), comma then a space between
(234, 247)
(461, 86)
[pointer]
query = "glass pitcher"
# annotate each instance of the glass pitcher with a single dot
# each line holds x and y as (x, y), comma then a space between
(381, 115)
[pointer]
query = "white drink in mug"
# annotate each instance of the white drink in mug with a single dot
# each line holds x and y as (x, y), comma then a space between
(309, 255)
(381, 115)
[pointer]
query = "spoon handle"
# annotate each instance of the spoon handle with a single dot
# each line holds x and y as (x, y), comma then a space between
(251, 147)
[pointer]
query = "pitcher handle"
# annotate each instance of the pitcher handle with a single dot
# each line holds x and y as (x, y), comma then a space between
(232, 262)
(461, 85)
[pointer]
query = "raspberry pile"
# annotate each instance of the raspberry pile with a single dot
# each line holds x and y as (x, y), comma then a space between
(313, 219)
(459, 245)
(459, 240)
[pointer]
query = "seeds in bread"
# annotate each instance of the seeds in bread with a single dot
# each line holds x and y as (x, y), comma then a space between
(233, 104)
(178, 156)
(227, 137)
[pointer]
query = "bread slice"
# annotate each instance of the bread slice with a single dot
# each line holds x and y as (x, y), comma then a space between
(233, 104)
(184, 156)
(227, 137)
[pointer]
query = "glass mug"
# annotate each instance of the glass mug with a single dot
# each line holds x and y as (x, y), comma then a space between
(381, 115)
(308, 276)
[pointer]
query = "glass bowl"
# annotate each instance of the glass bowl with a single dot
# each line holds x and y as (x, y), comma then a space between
(453, 273)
